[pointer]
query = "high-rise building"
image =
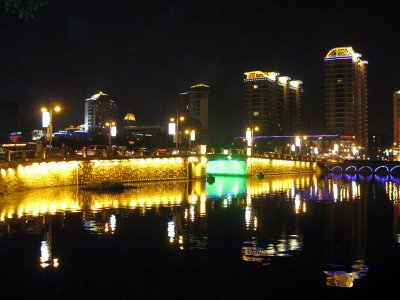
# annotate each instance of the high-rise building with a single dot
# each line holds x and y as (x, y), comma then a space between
(396, 117)
(346, 97)
(99, 110)
(194, 104)
(273, 103)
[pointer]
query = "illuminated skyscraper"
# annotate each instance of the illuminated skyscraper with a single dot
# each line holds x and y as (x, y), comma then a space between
(99, 109)
(346, 97)
(273, 103)
(194, 104)
(396, 117)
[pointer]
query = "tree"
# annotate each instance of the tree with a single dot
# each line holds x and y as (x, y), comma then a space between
(25, 9)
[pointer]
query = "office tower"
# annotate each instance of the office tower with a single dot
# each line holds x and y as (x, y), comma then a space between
(396, 117)
(346, 97)
(273, 103)
(100, 109)
(194, 104)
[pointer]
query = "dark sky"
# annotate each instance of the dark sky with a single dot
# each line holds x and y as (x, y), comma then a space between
(143, 53)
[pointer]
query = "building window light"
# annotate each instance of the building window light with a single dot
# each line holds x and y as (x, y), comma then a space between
(255, 86)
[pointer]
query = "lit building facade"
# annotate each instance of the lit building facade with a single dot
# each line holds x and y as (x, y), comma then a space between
(99, 109)
(273, 103)
(396, 117)
(346, 96)
(194, 104)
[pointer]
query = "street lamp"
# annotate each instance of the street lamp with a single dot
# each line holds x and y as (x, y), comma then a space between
(112, 131)
(47, 120)
(191, 136)
(174, 129)
(250, 139)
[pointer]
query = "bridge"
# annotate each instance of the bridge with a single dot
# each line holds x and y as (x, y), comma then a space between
(361, 166)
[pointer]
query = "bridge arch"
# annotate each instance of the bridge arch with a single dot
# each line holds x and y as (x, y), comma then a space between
(380, 168)
(351, 168)
(395, 169)
(336, 168)
(364, 168)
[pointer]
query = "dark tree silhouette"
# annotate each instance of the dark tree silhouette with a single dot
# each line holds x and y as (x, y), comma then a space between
(25, 9)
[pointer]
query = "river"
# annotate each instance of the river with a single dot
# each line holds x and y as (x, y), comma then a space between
(240, 237)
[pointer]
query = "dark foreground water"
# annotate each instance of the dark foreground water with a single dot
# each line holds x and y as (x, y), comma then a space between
(292, 236)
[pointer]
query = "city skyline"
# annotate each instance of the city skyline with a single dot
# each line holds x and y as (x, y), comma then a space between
(141, 54)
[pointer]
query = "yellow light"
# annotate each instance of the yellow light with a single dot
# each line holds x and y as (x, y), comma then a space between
(283, 79)
(44, 109)
(56, 262)
(20, 170)
(295, 83)
(57, 108)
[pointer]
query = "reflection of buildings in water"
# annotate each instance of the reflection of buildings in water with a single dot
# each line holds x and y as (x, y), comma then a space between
(336, 277)
(38, 226)
(69, 199)
(187, 227)
(270, 207)
(285, 246)
(392, 189)
(274, 229)
(271, 223)
(344, 231)
(334, 187)
(46, 253)
(104, 222)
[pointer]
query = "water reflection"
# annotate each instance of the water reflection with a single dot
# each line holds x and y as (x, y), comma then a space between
(322, 219)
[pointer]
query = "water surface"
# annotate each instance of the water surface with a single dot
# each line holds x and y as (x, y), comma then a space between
(237, 237)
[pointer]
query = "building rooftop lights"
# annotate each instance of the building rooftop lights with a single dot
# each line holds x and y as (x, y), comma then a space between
(283, 79)
(260, 74)
(130, 116)
(295, 83)
(200, 85)
(343, 53)
(96, 96)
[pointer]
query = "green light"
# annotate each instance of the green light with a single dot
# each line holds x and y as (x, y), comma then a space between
(226, 167)
(225, 186)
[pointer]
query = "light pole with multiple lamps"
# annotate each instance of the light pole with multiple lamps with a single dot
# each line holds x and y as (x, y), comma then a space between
(111, 132)
(173, 129)
(191, 136)
(47, 120)
(250, 139)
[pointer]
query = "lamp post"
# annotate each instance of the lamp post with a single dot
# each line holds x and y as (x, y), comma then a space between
(110, 124)
(191, 136)
(250, 139)
(174, 122)
(47, 120)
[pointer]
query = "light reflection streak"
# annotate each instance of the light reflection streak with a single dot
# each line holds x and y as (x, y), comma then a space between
(299, 194)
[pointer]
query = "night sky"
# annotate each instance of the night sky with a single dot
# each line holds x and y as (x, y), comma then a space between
(144, 53)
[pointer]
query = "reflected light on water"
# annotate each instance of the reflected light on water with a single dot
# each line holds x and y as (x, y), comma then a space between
(269, 214)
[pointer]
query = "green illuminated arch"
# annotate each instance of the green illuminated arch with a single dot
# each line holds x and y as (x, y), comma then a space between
(226, 167)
